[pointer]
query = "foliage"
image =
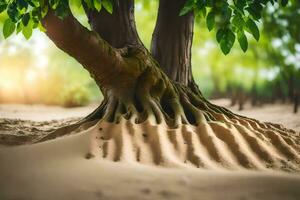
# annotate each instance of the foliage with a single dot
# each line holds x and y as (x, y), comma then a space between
(281, 26)
(26, 15)
(231, 18)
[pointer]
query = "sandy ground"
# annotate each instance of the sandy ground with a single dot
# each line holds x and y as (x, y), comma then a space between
(59, 169)
(275, 113)
(21, 124)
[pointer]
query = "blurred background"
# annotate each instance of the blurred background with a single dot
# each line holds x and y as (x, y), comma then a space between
(36, 72)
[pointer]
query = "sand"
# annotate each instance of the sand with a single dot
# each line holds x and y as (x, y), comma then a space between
(58, 169)
(149, 161)
(276, 113)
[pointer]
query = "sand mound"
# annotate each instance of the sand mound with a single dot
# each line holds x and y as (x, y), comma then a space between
(235, 144)
(209, 145)
(17, 132)
(58, 169)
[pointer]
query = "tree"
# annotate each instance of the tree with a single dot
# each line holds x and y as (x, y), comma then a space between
(282, 28)
(157, 85)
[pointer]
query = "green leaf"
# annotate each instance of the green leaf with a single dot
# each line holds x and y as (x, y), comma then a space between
(8, 28)
(240, 4)
(42, 3)
(89, 3)
(77, 3)
(3, 7)
(22, 4)
(25, 19)
(199, 4)
(255, 10)
(97, 5)
(188, 6)
(54, 3)
(253, 29)
(227, 41)
(27, 31)
(226, 13)
(33, 3)
(284, 2)
(107, 4)
(62, 10)
(41, 27)
(242, 40)
(44, 11)
(219, 35)
(13, 12)
(210, 20)
(203, 11)
(19, 27)
(238, 21)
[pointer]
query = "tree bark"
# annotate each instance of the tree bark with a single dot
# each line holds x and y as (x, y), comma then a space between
(118, 28)
(86, 47)
(172, 41)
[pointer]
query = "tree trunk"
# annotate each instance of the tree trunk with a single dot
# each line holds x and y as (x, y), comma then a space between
(172, 41)
(119, 28)
(291, 88)
(156, 89)
(134, 82)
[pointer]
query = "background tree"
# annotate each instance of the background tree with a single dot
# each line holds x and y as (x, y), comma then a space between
(281, 27)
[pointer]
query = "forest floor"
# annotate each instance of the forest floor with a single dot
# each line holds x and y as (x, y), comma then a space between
(57, 169)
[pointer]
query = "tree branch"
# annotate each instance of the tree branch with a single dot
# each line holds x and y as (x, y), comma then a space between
(87, 47)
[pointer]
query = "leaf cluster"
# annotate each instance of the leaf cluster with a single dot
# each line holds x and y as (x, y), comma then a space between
(230, 18)
(26, 15)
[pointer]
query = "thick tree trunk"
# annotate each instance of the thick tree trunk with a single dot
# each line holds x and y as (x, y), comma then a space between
(119, 28)
(139, 89)
(172, 41)
(86, 47)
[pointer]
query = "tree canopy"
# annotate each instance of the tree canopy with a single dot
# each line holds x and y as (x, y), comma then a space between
(230, 18)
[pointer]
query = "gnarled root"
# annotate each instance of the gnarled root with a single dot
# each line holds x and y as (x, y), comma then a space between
(174, 126)
(157, 121)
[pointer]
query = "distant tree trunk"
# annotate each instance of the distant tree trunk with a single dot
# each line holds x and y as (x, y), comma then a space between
(241, 99)
(296, 101)
(254, 95)
(291, 87)
(233, 97)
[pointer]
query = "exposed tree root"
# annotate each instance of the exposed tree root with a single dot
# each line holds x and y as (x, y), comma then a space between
(151, 115)
(182, 129)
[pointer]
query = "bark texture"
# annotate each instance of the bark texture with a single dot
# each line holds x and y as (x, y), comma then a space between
(85, 46)
(119, 28)
(172, 41)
